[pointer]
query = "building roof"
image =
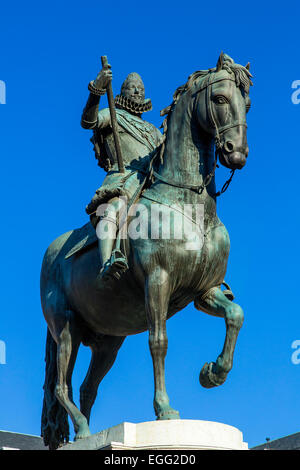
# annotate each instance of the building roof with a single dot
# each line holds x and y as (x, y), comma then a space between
(17, 441)
(291, 442)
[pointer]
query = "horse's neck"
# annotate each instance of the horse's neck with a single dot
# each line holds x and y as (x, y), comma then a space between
(189, 154)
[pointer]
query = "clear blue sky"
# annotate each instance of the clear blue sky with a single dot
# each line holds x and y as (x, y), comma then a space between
(49, 53)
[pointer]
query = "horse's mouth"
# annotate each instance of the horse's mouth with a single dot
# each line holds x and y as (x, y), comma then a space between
(234, 160)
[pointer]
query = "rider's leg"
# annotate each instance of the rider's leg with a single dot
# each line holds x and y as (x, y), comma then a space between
(113, 215)
(107, 228)
(106, 232)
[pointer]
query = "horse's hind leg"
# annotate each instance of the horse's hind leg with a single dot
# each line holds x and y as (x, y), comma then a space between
(68, 342)
(104, 353)
(157, 303)
(216, 303)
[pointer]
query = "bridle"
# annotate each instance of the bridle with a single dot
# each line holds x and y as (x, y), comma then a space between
(210, 111)
(218, 131)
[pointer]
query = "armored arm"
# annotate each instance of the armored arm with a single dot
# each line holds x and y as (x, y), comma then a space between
(90, 113)
(97, 88)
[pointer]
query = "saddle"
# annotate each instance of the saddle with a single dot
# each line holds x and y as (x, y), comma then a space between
(84, 238)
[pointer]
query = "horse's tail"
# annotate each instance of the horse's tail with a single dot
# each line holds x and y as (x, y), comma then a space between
(55, 425)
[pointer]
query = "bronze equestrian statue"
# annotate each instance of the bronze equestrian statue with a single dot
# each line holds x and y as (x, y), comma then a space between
(205, 122)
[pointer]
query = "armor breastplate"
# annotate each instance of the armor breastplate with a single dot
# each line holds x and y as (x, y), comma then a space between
(137, 139)
(132, 150)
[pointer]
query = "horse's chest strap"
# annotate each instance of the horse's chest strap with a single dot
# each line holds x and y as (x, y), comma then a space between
(193, 187)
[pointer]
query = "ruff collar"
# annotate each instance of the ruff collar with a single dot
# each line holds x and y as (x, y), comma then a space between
(131, 106)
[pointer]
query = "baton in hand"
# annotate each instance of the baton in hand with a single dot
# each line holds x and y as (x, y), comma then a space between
(113, 116)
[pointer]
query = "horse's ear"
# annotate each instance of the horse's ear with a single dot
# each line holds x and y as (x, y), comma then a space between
(247, 67)
(220, 62)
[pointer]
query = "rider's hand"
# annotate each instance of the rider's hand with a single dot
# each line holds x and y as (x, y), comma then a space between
(103, 79)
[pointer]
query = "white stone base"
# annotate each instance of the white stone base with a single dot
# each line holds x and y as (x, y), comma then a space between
(177, 434)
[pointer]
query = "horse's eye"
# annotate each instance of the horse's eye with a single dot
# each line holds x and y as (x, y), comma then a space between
(220, 100)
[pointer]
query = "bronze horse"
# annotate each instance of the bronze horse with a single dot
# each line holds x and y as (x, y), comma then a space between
(163, 277)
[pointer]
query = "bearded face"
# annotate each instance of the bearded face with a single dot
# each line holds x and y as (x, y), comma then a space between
(133, 88)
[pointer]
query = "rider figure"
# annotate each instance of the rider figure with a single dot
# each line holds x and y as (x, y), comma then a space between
(138, 141)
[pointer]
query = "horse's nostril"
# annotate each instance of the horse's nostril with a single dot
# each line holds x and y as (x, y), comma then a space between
(228, 146)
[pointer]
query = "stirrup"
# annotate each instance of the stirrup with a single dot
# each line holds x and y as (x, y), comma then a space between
(115, 267)
(227, 292)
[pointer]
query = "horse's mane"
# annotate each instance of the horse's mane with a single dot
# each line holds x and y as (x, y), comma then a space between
(241, 74)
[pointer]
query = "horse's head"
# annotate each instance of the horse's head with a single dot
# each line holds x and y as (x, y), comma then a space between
(221, 107)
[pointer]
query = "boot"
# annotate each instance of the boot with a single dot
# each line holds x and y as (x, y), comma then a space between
(114, 267)
(113, 262)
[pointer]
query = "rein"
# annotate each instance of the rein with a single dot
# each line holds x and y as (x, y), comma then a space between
(218, 131)
(198, 188)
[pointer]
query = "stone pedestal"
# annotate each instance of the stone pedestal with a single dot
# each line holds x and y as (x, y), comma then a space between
(178, 434)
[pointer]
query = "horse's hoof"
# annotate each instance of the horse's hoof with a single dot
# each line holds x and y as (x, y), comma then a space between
(169, 414)
(82, 433)
(209, 378)
(162, 408)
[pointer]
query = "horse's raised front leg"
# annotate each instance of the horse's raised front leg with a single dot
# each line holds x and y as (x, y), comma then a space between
(68, 341)
(216, 303)
(157, 295)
